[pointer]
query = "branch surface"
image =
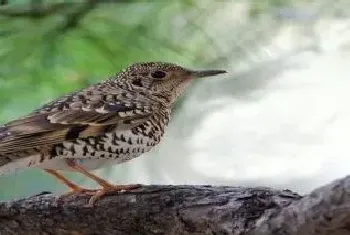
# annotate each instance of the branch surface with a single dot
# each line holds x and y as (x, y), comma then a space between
(185, 210)
(149, 210)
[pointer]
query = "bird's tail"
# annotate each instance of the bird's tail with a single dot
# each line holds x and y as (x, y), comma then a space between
(4, 160)
(8, 166)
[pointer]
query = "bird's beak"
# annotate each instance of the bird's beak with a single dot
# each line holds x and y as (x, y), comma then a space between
(206, 73)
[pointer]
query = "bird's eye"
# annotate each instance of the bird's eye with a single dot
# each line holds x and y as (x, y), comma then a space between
(158, 74)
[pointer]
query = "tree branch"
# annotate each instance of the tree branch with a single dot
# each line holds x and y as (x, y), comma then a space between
(47, 9)
(325, 211)
(3, 2)
(73, 18)
(27, 10)
(185, 210)
(149, 210)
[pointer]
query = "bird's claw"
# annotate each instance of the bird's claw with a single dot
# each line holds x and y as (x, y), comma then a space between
(112, 188)
(79, 190)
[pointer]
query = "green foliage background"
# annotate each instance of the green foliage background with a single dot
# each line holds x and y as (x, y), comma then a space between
(48, 48)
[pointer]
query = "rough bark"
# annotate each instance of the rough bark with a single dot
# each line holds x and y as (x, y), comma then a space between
(185, 210)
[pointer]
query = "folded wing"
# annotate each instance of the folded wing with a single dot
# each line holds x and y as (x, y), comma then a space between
(73, 116)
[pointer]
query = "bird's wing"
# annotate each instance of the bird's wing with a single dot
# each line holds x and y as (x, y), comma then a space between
(73, 116)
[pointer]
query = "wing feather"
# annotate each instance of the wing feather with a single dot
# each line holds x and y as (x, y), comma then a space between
(71, 117)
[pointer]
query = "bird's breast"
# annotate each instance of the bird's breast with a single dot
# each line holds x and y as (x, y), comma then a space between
(96, 152)
(110, 148)
(110, 145)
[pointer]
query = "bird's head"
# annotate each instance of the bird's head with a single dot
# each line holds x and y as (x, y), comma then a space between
(165, 80)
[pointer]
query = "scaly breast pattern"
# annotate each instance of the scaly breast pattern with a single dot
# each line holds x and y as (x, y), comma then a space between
(114, 147)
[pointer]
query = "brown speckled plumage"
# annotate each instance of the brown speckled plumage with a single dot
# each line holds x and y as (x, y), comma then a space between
(106, 123)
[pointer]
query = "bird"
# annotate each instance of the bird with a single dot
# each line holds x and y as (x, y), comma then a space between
(104, 124)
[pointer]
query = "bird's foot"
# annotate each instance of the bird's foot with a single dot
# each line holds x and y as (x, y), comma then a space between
(111, 188)
(79, 190)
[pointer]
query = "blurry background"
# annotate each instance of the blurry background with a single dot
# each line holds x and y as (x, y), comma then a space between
(280, 118)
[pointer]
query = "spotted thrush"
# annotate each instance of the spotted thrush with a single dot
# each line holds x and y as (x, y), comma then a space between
(107, 123)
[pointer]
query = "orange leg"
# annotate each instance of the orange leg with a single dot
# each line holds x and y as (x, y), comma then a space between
(106, 187)
(75, 188)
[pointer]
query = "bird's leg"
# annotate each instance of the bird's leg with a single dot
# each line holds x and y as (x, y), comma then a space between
(106, 187)
(74, 187)
(71, 163)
